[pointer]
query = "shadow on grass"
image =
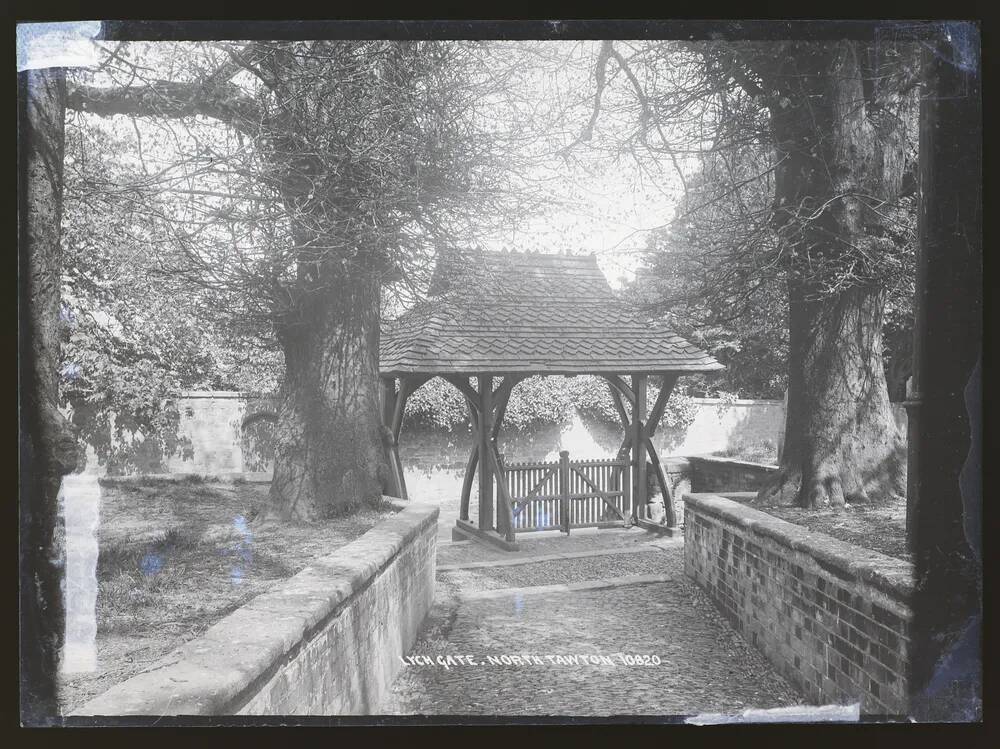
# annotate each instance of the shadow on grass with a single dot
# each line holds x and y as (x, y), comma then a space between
(184, 577)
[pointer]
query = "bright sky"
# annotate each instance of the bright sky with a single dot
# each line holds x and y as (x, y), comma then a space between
(613, 220)
(604, 203)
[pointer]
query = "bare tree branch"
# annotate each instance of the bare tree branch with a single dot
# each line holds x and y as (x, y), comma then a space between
(226, 102)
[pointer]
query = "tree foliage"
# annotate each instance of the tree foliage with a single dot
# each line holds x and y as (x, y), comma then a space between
(290, 183)
(719, 267)
(804, 192)
(538, 400)
(134, 334)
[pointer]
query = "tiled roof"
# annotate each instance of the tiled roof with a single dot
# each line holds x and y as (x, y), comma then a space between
(507, 312)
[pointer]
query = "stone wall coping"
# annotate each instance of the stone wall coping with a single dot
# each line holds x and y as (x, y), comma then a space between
(251, 394)
(233, 477)
(679, 460)
(893, 577)
(730, 461)
(219, 671)
(223, 394)
(738, 402)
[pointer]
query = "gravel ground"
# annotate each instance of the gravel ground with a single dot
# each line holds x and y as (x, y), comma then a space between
(571, 570)
(704, 665)
(537, 544)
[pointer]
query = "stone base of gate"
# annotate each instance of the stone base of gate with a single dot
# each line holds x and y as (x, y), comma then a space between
(465, 530)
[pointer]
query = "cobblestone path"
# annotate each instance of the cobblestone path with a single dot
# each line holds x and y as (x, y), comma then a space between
(629, 599)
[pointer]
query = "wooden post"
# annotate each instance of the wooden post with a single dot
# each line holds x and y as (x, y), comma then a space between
(485, 466)
(667, 383)
(621, 479)
(470, 471)
(640, 491)
(389, 398)
(564, 490)
(461, 383)
(668, 495)
(626, 487)
(393, 408)
(503, 513)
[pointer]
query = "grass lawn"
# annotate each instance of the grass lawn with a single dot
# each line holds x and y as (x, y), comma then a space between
(177, 557)
(877, 526)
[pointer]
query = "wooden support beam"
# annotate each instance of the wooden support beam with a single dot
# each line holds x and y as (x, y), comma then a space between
(388, 399)
(408, 385)
(501, 397)
(639, 488)
(616, 398)
(470, 465)
(485, 431)
(505, 505)
(485, 465)
(393, 408)
(397, 487)
(564, 490)
(622, 387)
(667, 384)
(465, 529)
(668, 495)
(462, 383)
(623, 451)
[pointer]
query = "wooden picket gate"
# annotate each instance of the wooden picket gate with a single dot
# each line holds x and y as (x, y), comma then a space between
(563, 494)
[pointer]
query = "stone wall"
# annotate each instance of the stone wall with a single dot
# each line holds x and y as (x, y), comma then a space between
(219, 432)
(704, 473)
(722, 425)
(327, 641)
(223, 432)
(727, 425)
(213, 423)
(832, 617)
(714, 474)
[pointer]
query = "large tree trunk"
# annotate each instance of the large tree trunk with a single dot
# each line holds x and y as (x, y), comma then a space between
(47, 446)
(330, 453)
(835, 158)
(841, 441)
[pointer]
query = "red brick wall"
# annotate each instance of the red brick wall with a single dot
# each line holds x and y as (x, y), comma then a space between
(831, 616)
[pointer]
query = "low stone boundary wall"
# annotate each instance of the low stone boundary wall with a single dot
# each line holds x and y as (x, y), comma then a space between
(832, 617)
(709, 473)
(716, 474)
(327, 641)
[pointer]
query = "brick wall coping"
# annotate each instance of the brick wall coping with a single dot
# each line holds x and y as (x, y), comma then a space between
(220, 671)
(893, 577)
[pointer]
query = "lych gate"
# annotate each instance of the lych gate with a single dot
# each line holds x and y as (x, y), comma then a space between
(493, 319)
